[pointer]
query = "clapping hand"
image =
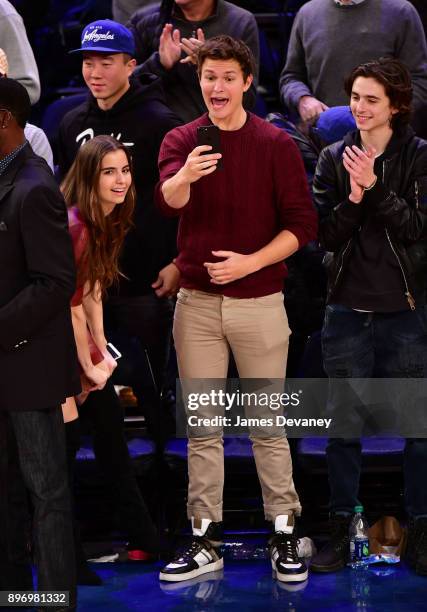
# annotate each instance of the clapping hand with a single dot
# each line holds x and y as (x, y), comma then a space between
(191, 46)
(360, 166)
(170, 46)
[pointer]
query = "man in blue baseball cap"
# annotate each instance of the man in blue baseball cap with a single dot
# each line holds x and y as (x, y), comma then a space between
(133, 111)
(108, 49)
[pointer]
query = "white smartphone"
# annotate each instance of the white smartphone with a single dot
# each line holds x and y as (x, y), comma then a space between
(113, 351)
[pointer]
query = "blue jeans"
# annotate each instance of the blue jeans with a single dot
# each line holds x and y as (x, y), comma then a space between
(382, 345)
(40, 443)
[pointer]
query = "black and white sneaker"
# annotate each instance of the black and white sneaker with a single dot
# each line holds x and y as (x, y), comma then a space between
(283, 546)
(200, 556)
(284, 558)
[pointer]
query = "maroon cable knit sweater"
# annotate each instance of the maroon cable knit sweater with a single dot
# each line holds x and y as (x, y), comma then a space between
(261, 190)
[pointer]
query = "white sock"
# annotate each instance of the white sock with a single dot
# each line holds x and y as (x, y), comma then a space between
(199, 526)
(284, 522)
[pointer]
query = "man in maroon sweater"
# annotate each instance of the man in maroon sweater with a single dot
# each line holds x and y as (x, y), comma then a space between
(237, 225)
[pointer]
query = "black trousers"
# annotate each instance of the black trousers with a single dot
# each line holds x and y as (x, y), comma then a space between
(145, 324)
(103, 414)
(36, 440)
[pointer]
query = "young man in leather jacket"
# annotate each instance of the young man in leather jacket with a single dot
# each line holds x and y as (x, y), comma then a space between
(371, 193)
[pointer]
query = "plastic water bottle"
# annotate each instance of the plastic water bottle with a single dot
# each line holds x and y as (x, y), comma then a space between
(359, 541)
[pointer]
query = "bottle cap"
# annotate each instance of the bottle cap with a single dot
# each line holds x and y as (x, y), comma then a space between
(358, 509)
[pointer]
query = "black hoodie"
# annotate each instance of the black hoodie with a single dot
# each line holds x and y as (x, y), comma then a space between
(140, 119)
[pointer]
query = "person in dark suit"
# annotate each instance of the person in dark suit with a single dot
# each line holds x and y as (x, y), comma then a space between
(38, 362)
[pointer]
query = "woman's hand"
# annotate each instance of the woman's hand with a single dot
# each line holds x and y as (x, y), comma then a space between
(109, 364)
(97, 375)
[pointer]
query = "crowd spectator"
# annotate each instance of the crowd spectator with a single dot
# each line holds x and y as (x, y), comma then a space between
(99, 193)
(124, 9)
(371, 191)
(39, 143)
(14, 41)
(37, 351)
(231, 290)
(35, 136)
(168, 35)
(330, 37)
(134, 112)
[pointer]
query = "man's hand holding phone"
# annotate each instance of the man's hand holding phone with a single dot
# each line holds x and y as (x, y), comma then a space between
(203, 160)
(206, 157)
(200, 163)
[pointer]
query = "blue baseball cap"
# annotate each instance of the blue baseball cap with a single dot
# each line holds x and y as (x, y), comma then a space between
(334, 123)
(107, 36)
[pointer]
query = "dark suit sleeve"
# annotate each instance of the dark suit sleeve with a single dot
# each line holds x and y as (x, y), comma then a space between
(50, 267)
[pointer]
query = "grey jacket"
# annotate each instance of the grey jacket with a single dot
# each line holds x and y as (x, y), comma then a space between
(328, 41)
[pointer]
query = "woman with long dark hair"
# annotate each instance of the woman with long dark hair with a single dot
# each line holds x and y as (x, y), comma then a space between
(100, 196)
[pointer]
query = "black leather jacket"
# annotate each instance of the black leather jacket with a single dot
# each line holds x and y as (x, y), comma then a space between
(400, 199)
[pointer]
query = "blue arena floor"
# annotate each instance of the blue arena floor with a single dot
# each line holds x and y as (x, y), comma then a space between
(246, 585)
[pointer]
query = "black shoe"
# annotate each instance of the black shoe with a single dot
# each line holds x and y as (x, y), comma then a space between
(416, 546)
(335, 554)
(201, 556)
(107, 556)
(285, 562)
(87, 577)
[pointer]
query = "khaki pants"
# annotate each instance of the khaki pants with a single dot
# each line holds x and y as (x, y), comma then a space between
(206, 327)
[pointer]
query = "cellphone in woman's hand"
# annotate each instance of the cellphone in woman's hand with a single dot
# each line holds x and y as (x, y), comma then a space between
(113, 351)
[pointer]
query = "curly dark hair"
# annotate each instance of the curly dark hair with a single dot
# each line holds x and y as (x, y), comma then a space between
(396, 80)
(224, 48)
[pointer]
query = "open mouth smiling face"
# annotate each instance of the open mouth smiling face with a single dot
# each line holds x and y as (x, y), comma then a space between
(223, 85)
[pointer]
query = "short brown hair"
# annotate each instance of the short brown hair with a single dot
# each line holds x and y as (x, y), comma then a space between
(396, 80)
(224, 48)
